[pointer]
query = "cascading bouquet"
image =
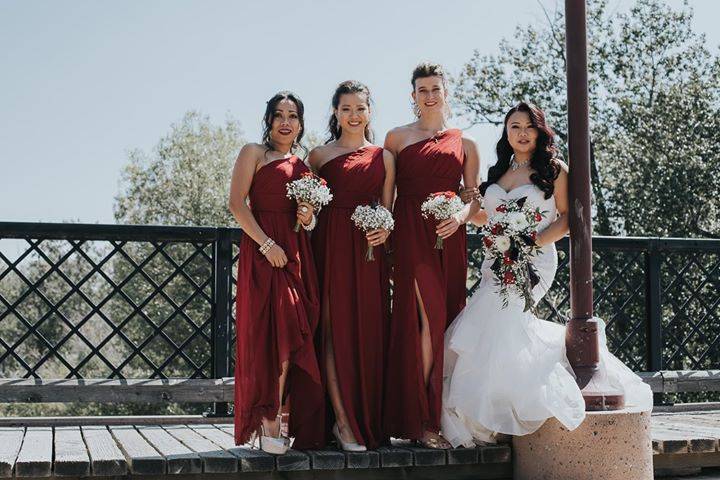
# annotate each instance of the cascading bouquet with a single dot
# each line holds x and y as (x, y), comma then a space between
(441, 206)
(509, 239)
(309, 188)
(368, 218)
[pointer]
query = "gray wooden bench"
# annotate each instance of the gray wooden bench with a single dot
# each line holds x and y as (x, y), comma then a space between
(221, 390)
(114, 391)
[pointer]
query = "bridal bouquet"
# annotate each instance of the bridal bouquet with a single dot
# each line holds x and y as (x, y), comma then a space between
(369, 218)
(509, 239)
(441, 206)
(311, 189)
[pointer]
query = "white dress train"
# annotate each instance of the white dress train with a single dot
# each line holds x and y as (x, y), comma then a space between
(506, 370)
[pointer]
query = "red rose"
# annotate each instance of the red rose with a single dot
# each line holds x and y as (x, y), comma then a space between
(538, 217)
(509, 278)
(307, 174)
(507, 261)
(501, 208)
(449, 194)
(533, 236)
(323, 182)
(488, 242)
(497, 229)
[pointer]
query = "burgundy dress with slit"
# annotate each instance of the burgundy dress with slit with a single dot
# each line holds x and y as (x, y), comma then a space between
(277, 315)
(354, 292)
(431, 165)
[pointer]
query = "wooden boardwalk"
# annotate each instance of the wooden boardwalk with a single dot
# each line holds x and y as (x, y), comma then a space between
(682, 442)
(685, 442)
(178, 450)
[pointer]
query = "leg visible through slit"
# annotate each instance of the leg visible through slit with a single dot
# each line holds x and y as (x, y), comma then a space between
(272, 425)
(430, 439)
(425, 337)
(332, 378)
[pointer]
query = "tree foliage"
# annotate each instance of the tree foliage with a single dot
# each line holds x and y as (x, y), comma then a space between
(654, 101)
(186, 180)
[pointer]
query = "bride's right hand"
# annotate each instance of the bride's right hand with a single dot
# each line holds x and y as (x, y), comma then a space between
(276, 256)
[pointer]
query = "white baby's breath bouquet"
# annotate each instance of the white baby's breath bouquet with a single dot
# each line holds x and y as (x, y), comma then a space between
(441, 206)
(368, 218)
(309, 188)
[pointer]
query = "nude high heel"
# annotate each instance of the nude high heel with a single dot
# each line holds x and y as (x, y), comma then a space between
(347, 446)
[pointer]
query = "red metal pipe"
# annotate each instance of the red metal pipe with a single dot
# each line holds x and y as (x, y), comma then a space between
(581, 338)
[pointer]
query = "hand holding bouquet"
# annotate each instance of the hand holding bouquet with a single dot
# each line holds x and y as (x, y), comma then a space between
(441, 206)
(509, 239)
(311, 189)
(368, 218)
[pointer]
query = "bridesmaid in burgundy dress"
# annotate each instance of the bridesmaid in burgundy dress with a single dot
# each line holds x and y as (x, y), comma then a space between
(354, 292)
(429, 284)
(277, 294)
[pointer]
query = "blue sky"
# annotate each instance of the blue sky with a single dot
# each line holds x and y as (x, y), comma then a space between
(82, 82)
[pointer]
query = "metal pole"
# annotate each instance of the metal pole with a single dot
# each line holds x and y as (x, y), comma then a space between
(582, 338)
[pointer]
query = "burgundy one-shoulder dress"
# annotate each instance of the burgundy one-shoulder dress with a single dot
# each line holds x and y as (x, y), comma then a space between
(430, 165)
(277, 315)
(356, 291)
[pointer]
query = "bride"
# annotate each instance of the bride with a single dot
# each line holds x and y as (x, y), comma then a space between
(505, 369)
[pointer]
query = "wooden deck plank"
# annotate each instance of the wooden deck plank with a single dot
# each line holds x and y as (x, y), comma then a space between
(219, 437)
(668, 441)
(293, 460)
(10, 442)
(35, 457)
(359, 460)
(141, 457)
(215, 459)
(227, 428)
(179, 458)
(251, 460)
(106, 458)
(326, 459)
(71, 455)
(701, 439)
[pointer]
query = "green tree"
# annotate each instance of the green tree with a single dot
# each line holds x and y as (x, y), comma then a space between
(654, 104)
(186, 180)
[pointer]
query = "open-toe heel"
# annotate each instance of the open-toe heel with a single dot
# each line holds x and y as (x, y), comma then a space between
(276, 445)
(435, 442)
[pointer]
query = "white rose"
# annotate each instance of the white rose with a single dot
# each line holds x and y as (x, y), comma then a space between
(502, 243)
(517, 221)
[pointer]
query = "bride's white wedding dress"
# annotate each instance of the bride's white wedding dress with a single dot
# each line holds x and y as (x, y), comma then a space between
(505, 369)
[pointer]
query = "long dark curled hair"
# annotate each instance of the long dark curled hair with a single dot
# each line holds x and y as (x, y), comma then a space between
(544, 159)
(270, 114)
(348, 86)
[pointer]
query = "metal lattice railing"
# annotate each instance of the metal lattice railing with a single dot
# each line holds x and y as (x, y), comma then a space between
(110, 301)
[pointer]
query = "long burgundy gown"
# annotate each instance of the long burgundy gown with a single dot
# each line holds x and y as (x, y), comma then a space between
(356, 291)
(431, 165)
(277, 315)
